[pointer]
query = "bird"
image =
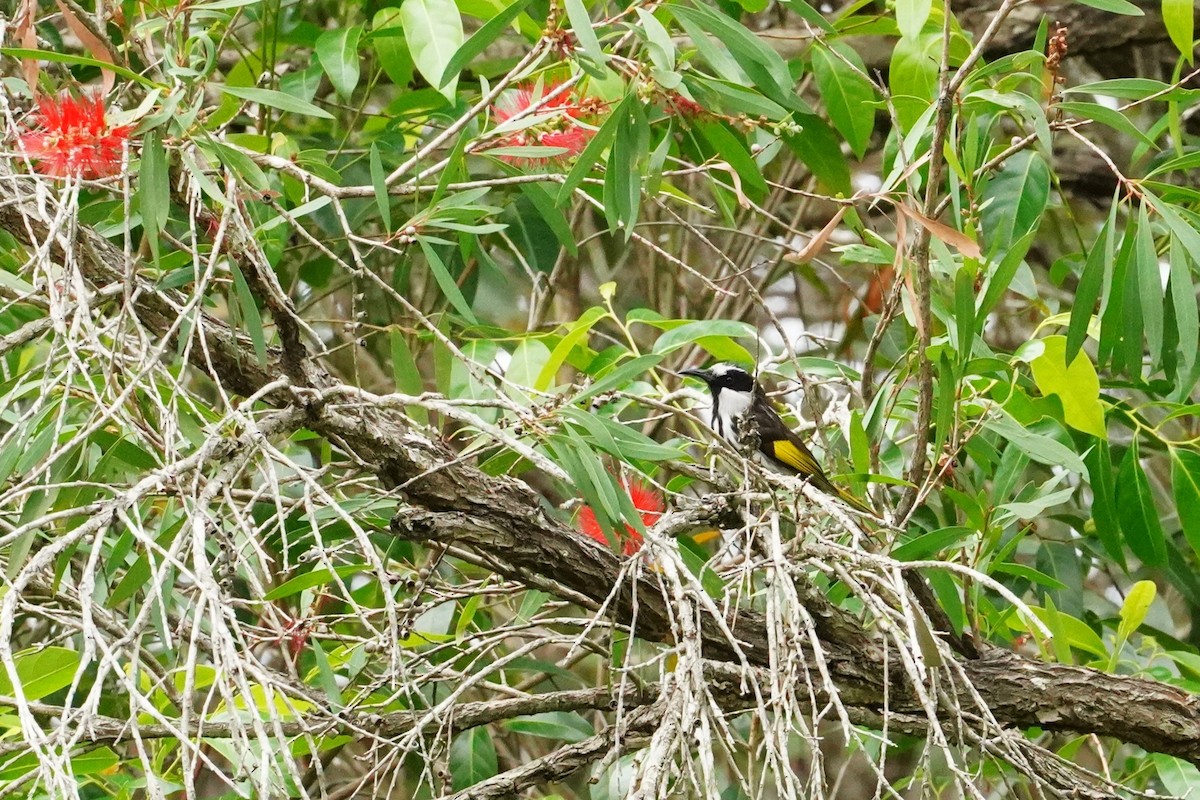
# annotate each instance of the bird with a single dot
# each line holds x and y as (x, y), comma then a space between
(738, 399)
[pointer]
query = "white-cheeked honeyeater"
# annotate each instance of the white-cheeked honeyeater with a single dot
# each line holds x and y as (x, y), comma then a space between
(739, 404)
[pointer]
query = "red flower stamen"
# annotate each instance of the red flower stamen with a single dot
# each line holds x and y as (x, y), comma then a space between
(70, 137)
(560, 130)
(646, 500)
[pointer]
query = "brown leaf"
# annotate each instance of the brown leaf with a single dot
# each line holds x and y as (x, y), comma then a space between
(91, 42)
(27, 36)
(943, 232)
(818, 242)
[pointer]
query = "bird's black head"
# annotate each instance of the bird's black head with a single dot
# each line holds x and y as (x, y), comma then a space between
(723, 376)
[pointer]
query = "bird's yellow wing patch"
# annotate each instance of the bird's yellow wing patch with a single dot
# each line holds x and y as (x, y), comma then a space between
(795, 457)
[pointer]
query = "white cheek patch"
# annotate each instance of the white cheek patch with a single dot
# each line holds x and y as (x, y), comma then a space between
(731, 407)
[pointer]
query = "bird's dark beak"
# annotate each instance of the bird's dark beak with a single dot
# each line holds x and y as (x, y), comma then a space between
(696, 372)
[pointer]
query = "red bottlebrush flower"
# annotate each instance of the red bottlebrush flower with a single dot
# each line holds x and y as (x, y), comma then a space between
(645, 499)
(560, 130)
(683, 106)
(70, 136)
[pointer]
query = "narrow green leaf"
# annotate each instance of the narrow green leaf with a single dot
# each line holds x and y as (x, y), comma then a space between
(732, 149)
(1180, 22)
(618, 376)
(326, 676)
(251, 317)
(1091, 283)
(379, 182)
(391, 48)
(591, 154)
(1149, 286)
(581, 25)
(154, 189)
(1106, 116)
(317, 577)
(434, 32)
(576, 333)
(274, 99)
(1183, 301)
(765, 67)
(446, 281)
(1039, 447)
(1115, 7)
(1185, 481)
(1001, 278)
(82, 61)
(623, 185)
(1015, 200)
(480, 39)
(337, 52)
(561, 726)
(693, 331)
(849, 97)
(1135, 509)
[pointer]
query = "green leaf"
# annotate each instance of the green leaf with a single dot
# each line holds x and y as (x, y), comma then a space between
(480, 39)
(581, 25)
(922, 547)
(326, 676)
(387, 38)
(849, 96)
(274, 99)
(576, 333)
(693, 331)
(472, 758)
(1114, 7)
(41, 671)
(1039, 447)
(1135, 509)
(80, 60)
(1106, 116)
(445, 280)
(765, 67)
(1178, 17)
(911, 16)
(1091, 283)
(1149, 285)
(1183, 302)
(591, 154)
(732, 149)
(379, 183)
(563, 726)
(912, 76)
(618, 376)
(317, 577)
(1077, 385)
(1104, 502)
(251, 317)
(623, 184)
(1185, 481)
(1015, 200)
(1001, 278)
(434, 32)
(154, 189)
(1134, 609)
(337, 51)
(1178, 777)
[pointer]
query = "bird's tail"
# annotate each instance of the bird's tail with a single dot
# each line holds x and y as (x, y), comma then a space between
(855, 503)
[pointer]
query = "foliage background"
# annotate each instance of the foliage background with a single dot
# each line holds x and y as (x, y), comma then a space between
(331, 279)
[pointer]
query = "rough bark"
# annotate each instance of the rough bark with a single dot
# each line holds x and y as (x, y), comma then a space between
(451, 501)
